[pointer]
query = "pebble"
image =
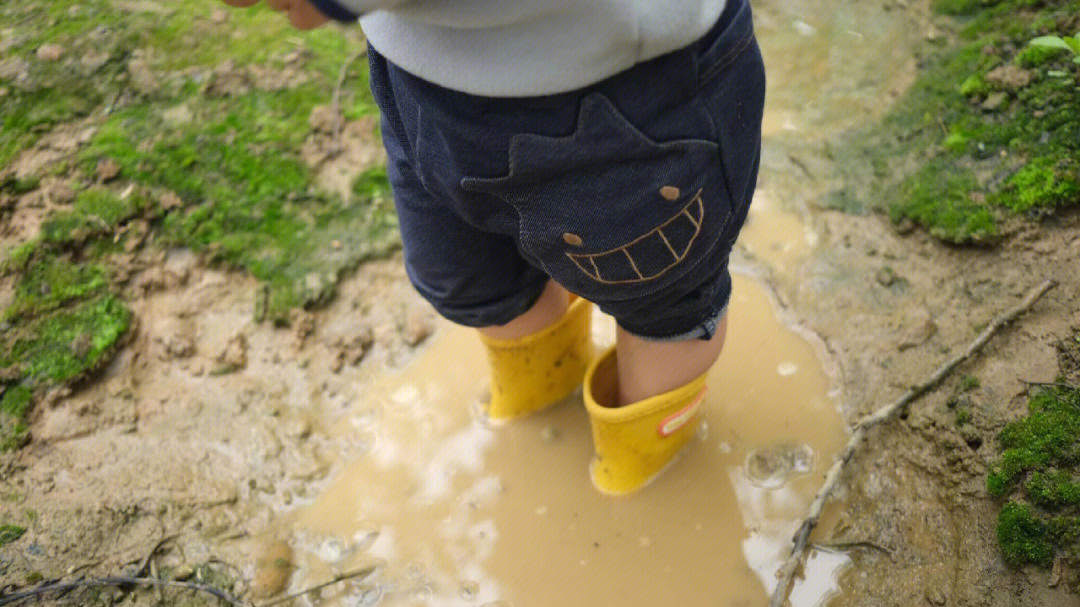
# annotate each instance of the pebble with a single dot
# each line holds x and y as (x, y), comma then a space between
(273, 568)
(935, 596)
(885, 277)
(994, 101)
(50, 52)
(107, 169)
(418, 327)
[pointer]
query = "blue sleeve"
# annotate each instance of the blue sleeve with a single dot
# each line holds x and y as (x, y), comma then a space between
(335, 10)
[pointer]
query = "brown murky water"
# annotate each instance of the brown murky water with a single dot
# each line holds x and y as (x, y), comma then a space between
(461, 513)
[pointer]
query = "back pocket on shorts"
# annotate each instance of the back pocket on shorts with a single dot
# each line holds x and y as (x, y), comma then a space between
(610, 213)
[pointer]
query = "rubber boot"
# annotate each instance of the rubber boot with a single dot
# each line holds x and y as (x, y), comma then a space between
(634, 443)
(533, 372)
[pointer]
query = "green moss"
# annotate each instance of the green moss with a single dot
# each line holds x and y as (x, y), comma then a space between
(958, 168)
(974, 85)
(249, 199)
(1052, 490)
(1023, 537)
(65, 345)
(968, 383)
(963, 416)
(50, 284)
(14, 405)
(1037, 56)
(14, 185)
(942, 202)
(170, 38)
(1043, 182)
(1039, 467)
(96, 212)
(1048, 437)
(10, 533)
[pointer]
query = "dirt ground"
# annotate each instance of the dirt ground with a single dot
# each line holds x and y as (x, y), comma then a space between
(206, 426)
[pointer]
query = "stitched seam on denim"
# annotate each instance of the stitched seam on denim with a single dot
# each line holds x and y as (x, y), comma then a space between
(728, 58)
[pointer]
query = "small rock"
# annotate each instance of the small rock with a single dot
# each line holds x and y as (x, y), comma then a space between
(918, 334)
(1057, 573)
(302, 323)
(273, 568)
(994, 101)
(107, 169)
(94, 60)
(235, 353)
(142, 77)
(338, 361)
(935, 596)
(418, 327)
(885, 276)
(50, 52)
(1009, 77)
(323, 119)
(170, 201)
(180, 346)
(178, 115)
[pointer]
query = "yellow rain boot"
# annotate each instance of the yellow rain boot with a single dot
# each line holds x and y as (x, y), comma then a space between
(634, 443)
(540, 369)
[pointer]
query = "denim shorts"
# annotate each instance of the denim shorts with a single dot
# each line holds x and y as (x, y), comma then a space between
(629, 192)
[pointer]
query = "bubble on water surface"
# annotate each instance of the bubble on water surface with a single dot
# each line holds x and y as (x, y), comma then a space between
(771, 467)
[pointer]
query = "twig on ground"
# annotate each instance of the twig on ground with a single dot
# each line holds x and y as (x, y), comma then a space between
(802, 536)
(120, 581)
(153, 550)
(336, 106)
(348, 575)
(802, 166)
(846, 546)
(1048, 384)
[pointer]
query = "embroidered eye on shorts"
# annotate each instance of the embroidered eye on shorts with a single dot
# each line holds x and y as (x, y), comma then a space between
(629, 192)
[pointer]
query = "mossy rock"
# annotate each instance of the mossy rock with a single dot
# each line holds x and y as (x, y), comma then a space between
(1039, 469)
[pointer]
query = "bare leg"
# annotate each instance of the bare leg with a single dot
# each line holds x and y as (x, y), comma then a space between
(647, 368)
(549, 308)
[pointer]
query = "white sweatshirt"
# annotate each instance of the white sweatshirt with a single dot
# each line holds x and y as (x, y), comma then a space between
(513, 48)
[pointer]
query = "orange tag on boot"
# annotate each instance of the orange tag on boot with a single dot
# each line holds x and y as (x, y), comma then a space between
(677, 420)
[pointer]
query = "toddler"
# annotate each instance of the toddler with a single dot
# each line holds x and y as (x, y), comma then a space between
(550, 155)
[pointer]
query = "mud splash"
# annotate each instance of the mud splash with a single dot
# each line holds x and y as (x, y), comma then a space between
(457, 512)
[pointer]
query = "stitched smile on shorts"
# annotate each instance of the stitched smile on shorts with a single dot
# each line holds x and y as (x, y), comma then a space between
(646, 257)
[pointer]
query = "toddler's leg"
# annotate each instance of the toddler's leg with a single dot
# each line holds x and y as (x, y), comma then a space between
(647, 368)
(549, 308)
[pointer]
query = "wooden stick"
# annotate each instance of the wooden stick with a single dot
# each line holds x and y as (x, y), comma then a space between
(348, 575)
(120, 581)
(802, 536)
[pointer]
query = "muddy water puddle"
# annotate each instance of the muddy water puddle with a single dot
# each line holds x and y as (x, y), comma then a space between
(455, 511)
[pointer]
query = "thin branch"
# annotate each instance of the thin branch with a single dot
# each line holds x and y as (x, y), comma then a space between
(802, 536)
(843, 547)
(120, 581)
(348, 575)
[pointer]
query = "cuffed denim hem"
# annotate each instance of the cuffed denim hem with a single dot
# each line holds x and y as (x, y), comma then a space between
(488, 313)
(695, 316)
(705, 331)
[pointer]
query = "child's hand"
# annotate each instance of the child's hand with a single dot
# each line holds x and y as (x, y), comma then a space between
(301, 13)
